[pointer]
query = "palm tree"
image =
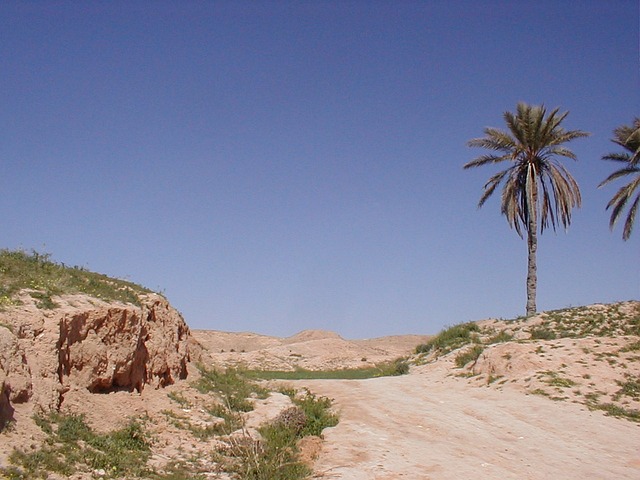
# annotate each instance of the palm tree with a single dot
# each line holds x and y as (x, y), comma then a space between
(628, 137)
(538, 190)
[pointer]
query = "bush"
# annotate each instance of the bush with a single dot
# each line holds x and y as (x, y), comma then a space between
(275, 455)
(501, 337)
(317, 411)
(232, 385)
(470, 355)
(292, 418)
(450, 339)
(72, 446)
(542, 334)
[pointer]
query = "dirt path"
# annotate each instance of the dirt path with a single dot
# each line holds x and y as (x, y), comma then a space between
(429, 426)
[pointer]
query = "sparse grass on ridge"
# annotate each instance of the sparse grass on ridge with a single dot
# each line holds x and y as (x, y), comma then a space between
(595, 320)
(37, 274)
(450, 339)
(592, 329)
(577, 322)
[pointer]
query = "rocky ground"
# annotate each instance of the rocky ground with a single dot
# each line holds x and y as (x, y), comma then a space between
(553, 396)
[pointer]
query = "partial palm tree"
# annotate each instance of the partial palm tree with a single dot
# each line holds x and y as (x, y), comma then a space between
(538, 191)
(628, 137)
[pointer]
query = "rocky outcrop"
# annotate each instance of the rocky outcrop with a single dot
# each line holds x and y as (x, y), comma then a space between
(89, 344)
(15, 381)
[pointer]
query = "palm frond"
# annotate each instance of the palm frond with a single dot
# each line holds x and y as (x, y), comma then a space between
(628, 137)
(491, 185)
(560, 152)
(620, 199)
(485, 159)
(516, 128)
(619, 173)
(494, 139)
(618, 157)
(631, 217)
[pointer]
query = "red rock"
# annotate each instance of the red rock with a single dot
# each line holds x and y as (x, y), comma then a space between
(92, 344)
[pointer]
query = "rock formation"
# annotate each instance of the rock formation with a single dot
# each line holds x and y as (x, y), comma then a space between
(89, 344)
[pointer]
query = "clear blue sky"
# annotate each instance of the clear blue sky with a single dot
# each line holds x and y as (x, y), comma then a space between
(276, 166)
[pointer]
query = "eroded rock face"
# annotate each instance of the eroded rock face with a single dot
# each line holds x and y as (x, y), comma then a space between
(15, 378)
(88, 343)
(14, 371)
(122, 347)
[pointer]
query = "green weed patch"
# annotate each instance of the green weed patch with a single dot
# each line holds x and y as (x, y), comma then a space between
(72, 447)
(43, 279)
(397, 367)
(450, 339)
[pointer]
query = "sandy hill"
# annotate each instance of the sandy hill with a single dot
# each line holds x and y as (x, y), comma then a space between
(309, 349)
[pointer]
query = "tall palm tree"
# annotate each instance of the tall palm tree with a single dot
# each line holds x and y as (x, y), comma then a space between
(537, 190)
(628, 137)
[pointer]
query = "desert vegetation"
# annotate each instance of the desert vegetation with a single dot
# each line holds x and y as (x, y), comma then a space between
(399, 366)
(71, 446)
(40, 277)
(220, 438)
(211, 418)
(498, 352)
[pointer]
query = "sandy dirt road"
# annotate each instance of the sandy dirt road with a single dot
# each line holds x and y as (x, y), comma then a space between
(428, 425)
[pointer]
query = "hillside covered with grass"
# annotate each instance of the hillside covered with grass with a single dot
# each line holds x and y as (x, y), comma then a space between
(43, 279)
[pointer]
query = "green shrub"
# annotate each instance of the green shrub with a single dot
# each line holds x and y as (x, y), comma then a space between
(632, 347)
(275, 455)
(500, 337)
(72, 447)
(450, 339)
(179, 399)
(318, 413)
(555, 380)
(630, 388)
(616, 411)
(469, 355)
(542, 334)
(397, 367)
(401, 367)
(232, 384)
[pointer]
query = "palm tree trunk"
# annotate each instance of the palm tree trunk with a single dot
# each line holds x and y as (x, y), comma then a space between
(532, 269)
